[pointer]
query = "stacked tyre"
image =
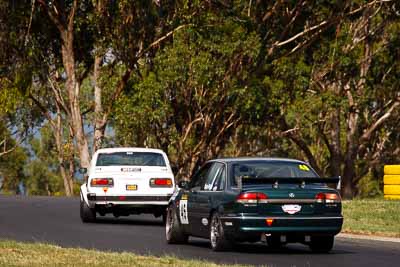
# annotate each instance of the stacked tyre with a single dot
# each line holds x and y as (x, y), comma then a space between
(391, 181)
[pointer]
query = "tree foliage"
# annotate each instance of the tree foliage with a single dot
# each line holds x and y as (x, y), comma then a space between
(316, 80)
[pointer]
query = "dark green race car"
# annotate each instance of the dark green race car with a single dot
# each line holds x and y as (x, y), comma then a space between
(276, 201)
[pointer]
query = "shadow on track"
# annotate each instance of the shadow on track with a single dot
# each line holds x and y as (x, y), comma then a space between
(261, 248)
(129, 221)
(240, 248)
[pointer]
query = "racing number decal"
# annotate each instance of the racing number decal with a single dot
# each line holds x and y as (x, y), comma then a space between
(183, 212)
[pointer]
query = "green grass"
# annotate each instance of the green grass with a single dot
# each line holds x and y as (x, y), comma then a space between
(372, 217)
(36, 254)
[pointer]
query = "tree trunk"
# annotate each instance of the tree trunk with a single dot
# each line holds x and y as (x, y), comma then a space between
(335, 150)
(351, 147)
(71, 163)
(73, 89)
(348, 177)
(353, 123)
(67, 187)
(100, 119)
(57, 131)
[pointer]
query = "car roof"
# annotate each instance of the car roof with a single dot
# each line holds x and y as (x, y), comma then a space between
(129, 149)
(244, 159)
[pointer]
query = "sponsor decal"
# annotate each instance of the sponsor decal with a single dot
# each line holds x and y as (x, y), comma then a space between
(304, 168)
(291, 209)
(131, 169)
(183, 212)
(291, 195)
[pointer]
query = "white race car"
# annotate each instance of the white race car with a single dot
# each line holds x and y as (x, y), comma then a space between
(125, 181)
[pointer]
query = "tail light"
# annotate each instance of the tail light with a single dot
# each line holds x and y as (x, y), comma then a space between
(160, 182)
(252, 198)
(102, 182)
(327, 198)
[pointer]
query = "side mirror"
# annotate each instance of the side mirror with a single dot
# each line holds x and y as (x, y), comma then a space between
(82, 170)
(183, 184)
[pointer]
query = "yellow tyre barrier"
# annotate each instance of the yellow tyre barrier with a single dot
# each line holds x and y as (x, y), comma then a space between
(391, 189)
(391, 169)
(391, 179)
(392, 197)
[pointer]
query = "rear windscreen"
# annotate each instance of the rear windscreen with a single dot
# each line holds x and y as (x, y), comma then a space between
(272, 169)
(130, 159)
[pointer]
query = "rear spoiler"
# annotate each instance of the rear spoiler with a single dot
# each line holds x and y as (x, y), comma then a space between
(302, 181)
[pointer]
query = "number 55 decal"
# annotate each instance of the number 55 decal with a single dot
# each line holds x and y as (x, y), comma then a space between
(183, 212)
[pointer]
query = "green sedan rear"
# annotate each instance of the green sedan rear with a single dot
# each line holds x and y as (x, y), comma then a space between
(272, 200)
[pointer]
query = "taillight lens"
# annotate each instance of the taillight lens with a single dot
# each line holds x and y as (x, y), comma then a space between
(252, 198)
(332, 198)
(160, 182)
(102, 182)
(327, 198)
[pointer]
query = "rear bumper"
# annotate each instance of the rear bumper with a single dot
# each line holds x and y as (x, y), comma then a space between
(128, 200)
(242, 226)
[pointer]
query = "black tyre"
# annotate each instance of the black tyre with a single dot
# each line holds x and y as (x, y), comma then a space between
(321, 244)
(87, 214)
(218, 239)
(173, 229)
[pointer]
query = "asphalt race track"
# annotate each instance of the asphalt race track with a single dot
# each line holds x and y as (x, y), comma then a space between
(56, 221)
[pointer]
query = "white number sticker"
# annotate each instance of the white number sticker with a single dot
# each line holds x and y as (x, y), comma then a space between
(183, 212)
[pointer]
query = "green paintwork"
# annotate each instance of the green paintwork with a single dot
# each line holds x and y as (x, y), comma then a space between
(247, 222)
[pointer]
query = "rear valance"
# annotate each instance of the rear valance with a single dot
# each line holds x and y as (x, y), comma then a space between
(302, 181)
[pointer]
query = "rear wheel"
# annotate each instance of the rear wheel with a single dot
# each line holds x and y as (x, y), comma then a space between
(218, 239)
(321, 244)
(87, 214)
(173, 231)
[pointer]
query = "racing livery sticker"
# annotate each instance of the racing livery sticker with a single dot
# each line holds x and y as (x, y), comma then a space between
(183, 212)
(304, 167)
(291, 209)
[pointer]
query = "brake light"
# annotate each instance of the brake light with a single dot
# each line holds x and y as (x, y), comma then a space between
(252, 198)
(160, 182)
(320, 197)
(332, 198)
(102, 182)
(327, 198)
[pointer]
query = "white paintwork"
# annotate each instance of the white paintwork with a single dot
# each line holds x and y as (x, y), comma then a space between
(291, 209)
(128, 175)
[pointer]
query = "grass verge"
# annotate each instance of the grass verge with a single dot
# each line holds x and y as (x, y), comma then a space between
(372, 217)
(36, 254)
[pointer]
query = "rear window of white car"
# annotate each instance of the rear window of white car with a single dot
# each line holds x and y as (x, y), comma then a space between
(130, 159)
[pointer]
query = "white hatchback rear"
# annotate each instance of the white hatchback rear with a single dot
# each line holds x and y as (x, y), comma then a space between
(125, 181)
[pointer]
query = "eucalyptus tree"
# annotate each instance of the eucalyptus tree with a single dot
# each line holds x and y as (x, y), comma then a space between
(340, 117)
(76, 57)
(193, 95)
